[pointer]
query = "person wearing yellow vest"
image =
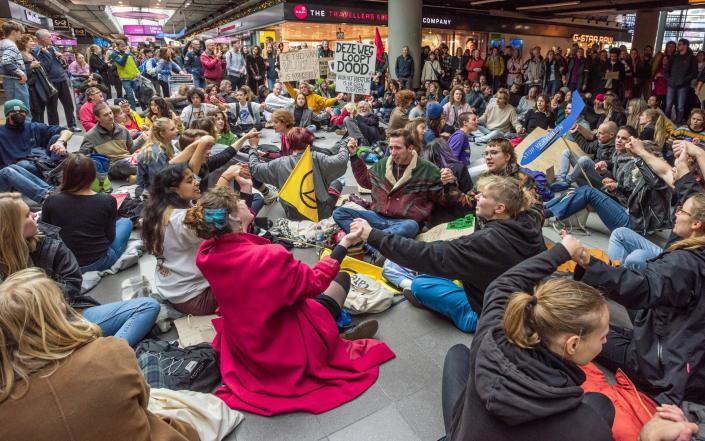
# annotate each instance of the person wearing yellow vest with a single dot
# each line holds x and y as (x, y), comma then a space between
(127, 71)
(315, 102)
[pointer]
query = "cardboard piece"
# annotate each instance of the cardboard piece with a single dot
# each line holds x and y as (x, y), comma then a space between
(195, 329)
(548, 161)
(353, 65)
(612, 75)
(299, 65)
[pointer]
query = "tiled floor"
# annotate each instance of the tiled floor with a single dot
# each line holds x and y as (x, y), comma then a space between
(405, 402)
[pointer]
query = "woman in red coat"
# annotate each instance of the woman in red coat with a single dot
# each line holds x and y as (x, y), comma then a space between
(474, 66)
(279, 346)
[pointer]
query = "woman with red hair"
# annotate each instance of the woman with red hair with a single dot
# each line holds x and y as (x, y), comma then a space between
(326, 171)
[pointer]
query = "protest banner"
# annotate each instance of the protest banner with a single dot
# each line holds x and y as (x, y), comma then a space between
(299, 189)
(549, 159)
(354, 66)
(325, 68)
(542, 144)
(299, 65)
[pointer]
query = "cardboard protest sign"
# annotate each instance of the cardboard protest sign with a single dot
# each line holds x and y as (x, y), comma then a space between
(549, 160)
(543, 143)
(299, 65)
(325, 68)
(354, 66)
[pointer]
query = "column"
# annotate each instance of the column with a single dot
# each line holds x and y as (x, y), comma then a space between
(404, 23)
(645, 27)
(661, 30)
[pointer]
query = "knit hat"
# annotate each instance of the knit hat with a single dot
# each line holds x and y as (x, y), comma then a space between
(433, 110)
(600, 97)
(14, 106)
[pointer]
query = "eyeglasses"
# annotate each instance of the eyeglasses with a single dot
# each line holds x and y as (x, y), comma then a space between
(679, 210)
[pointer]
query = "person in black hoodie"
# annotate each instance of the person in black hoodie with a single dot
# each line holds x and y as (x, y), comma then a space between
(23, 245)
(521, 379)
(663, 353)
(510, 234)
(681, 69)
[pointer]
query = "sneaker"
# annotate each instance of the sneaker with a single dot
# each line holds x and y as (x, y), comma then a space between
(411, 298)
(75, 129)
(559, 185)
(271, 196)
(364, 329)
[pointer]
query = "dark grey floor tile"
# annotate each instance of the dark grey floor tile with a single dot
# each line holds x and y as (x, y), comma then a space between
(423, 412)
(290, 427)
(436, 344)
(366, 404)
(384, 425)
(409, 372)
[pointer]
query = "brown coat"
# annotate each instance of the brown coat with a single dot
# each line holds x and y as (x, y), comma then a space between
(98, 393)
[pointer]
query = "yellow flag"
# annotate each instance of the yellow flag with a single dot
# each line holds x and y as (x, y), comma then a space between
(299, 191)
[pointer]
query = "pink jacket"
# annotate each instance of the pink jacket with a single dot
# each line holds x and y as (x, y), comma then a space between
(213, 67)
(86, 116)
(339, 119)
(279, 348)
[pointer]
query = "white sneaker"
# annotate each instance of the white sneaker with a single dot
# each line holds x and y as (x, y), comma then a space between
(271, 196)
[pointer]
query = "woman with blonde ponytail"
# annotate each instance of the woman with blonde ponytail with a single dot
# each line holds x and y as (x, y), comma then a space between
(509, 233)
(60, 380)
(521, 380)
(665, 296)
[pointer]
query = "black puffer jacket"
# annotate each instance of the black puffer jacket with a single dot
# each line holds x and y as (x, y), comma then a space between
(59, 263)
(518, 394)
(666, 354)
(649, 202)
(681, 69)
(476, 259)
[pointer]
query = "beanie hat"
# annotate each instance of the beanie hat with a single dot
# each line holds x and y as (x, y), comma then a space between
(433, 110)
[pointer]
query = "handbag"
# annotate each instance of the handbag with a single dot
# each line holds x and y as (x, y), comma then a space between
(206, 413)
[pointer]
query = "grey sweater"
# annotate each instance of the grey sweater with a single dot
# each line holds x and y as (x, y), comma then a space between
(326, 169)
(11, 62)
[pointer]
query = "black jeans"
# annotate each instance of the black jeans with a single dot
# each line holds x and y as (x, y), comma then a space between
(52, 106)
(237, 81)
(456, 371)
(343, 279)
(165, 88)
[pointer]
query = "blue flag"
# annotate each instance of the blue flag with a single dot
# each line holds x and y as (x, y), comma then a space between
(540, 145)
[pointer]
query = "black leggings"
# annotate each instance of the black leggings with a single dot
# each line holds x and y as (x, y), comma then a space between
(343, 279)
(165, 88)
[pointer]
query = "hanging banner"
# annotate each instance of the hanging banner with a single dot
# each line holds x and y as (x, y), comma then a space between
(299, 65)
(540, 145)
(354, 66)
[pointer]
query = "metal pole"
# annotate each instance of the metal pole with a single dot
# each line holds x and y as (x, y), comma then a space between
(663, 16)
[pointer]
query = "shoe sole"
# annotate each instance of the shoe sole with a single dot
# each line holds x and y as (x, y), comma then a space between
(366, 329)
(409, 296)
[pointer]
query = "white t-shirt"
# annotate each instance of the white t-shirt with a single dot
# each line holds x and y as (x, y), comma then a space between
(177, 277)
(244, 116)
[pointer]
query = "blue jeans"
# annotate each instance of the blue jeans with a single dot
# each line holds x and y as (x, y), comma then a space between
(551, 87)
(14, 177)
(631, 249)
(680, 96)
(130, 319)
(312, 128)
(584, 167)
(403, 227)
(131, 87)
(270, 83)
(483, 134)
(16, 91)
(199, 80)
(257, 202)
(123, 228)
(611, 212)
(446, 298)
(396, 274)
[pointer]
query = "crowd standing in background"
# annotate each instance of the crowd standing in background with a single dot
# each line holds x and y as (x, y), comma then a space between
(202, 174)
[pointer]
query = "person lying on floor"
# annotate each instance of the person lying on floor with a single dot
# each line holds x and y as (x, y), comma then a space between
(633, 196)
(277, 337)
(327, 171)
(164, 234)
(61, 380)
(521, 378)
(24, 245)
(510, 234)
(404, 188)
(666, 300)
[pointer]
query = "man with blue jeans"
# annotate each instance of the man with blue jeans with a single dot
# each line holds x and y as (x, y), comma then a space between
(127, 71)
(192, 63)
(12, 67)
(631, 249)
(22, 145)
(681, 69)
(611, 212)
(404, 188)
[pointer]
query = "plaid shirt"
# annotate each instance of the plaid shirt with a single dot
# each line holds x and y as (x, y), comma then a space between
(152, 371)
(446, 62)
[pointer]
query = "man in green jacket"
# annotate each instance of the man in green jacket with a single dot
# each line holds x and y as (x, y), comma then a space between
(127, 71)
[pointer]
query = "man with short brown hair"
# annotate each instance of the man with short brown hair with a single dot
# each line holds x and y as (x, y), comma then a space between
(12, 65)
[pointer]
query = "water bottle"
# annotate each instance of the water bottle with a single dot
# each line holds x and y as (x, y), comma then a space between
(320, 237)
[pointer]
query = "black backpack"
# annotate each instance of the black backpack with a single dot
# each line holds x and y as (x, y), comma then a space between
(195, 368)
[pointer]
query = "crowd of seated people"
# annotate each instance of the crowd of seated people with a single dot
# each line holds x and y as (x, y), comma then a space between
(204, 175)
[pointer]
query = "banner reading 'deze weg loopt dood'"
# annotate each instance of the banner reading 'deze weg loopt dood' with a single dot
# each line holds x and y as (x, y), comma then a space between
(354, 66)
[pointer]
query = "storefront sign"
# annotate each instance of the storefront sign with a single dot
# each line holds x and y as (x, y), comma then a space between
(331, 14)
(299, 65)
(134, 39)
(142, 29)
(584, 38)
(32, 16)
(437, 21)
(80, 32)
(65, 42)
(61, 24)
(353, 65)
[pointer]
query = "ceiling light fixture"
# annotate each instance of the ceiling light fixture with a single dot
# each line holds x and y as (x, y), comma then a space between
(549, 5)
(484, 2)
